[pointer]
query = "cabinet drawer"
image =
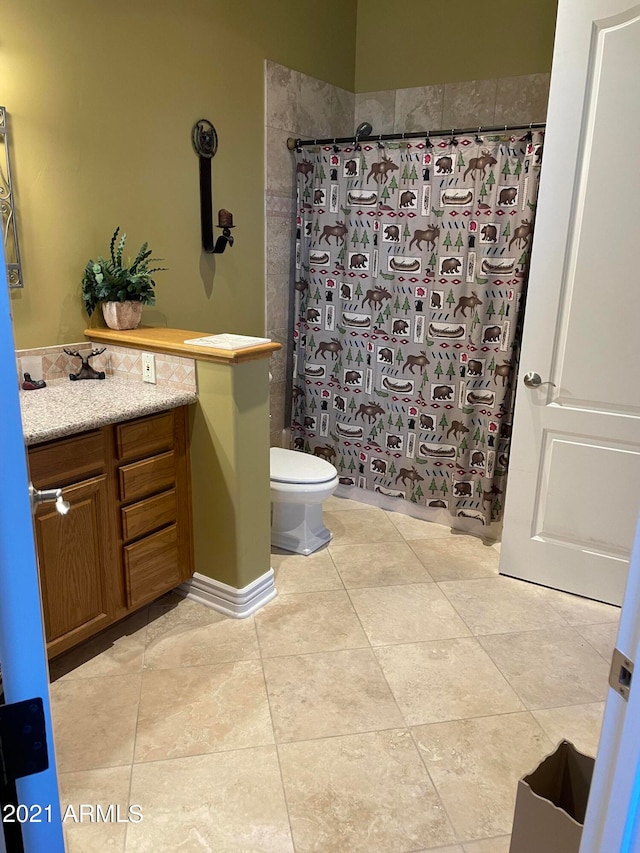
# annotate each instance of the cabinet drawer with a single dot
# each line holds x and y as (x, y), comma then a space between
(145, 437)
(69, 460)
(152, 566)
(148, 515)
(140, 479)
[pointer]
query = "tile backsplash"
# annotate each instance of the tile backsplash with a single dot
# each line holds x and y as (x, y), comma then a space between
(54, 365)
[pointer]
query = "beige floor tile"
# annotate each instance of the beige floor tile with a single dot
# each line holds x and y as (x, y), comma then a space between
(550, 668)
(334, 503)
(499, 605)
(384, 564)
(296, 573)
(105, 787)
(360, 528)
(191, 634)
(580, 611)
(361, 793)
(117, 651)
(417, 528)
(202, 709)
(456, 558)
(445, 680)
(229, 802)
(94, 721)
(450, 848)
(489, 845)
(602, 637)
(406, 614)
(578, 723)
(475, 766)
(332, 693)
(302, 623)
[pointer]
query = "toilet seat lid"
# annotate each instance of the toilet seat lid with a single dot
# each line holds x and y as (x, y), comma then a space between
(292, 466)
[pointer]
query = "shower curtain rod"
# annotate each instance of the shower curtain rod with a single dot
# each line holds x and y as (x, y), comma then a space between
(293, 143)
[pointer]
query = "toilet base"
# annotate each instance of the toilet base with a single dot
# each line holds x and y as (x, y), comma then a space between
(298, 528)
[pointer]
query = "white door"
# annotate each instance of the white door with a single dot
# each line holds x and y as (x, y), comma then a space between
(574, 479)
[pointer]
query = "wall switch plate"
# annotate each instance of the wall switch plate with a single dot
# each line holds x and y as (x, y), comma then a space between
(149, 367)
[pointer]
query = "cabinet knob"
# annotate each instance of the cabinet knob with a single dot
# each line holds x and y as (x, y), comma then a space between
(41, 496)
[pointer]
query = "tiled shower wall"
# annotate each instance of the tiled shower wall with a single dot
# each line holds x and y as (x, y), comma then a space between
(301, 106)
(507, 100)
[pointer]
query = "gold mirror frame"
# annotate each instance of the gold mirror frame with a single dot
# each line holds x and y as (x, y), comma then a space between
(7, 209)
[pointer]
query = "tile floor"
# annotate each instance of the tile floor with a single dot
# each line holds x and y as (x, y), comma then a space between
(387, 700)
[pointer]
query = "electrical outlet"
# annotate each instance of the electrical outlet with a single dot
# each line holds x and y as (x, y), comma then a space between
(149, 367)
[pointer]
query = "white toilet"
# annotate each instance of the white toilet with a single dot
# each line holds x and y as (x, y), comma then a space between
(299, 485)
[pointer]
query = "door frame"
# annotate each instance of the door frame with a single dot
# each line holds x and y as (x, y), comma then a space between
(23, 656)
(613, 814)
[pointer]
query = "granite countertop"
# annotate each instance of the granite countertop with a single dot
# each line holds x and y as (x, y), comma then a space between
(71, 407)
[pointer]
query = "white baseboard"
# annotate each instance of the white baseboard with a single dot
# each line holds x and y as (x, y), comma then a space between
(238, 603)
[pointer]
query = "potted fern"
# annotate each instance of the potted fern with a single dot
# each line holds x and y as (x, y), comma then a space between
(122, 288)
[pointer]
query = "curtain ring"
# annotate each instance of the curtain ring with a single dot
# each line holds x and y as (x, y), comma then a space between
(479, 139)
(379, 143)
(335, 147)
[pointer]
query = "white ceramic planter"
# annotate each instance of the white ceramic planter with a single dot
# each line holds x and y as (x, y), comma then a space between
(122, 315)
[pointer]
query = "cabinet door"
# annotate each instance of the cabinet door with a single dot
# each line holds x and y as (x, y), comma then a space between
(78, 568)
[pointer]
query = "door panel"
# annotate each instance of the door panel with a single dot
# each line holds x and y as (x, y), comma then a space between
(569, 508)
(596, 352)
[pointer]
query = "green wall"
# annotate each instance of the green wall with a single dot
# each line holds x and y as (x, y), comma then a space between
(422, 42)
(101, 100)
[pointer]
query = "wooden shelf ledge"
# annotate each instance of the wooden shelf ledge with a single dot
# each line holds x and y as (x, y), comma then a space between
(172, 341)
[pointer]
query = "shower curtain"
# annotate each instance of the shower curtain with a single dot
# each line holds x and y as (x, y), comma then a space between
(411, 264)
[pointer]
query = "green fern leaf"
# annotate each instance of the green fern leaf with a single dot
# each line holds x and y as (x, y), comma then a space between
(119, 250)
(113, 243)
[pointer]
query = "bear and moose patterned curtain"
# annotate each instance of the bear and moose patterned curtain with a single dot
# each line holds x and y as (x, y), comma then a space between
(411, 262)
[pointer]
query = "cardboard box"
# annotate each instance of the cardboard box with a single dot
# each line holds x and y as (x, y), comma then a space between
(551, 803)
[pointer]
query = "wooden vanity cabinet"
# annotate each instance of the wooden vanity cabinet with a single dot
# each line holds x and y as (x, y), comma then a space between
(127, 538)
